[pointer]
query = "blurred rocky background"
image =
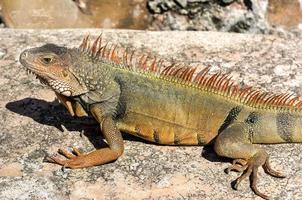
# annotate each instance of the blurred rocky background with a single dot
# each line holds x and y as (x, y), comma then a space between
(252, 16)
(131, 14)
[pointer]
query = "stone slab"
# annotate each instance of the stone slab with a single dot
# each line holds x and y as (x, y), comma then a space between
(32, 122)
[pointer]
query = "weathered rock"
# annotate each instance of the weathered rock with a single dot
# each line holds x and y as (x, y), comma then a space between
(75, 14)
(285, 13)
(32, 123)
(253, 16)
(230, 16)
(182, 3)
(227, 1)
(2, 53)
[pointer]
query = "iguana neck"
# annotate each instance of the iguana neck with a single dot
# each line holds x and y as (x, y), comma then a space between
(93, 73)
(99, 79)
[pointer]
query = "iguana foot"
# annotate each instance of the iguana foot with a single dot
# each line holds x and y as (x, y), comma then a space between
(236, 142)
(238, 165)
(250, 168)
(267, 168)
(75, 159)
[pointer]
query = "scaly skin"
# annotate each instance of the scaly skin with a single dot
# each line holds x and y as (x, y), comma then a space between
(154, 105)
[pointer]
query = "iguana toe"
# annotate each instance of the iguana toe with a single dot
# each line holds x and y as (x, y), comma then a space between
(76, 151)
(238, 165)
(235, 167)
(267, 168)
(66, 153)
(251, 170)
(74, 160)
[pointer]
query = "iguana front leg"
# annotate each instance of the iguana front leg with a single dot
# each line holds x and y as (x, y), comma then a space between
(101, 156)
(66, 102)
(73, 107)
(235, 142)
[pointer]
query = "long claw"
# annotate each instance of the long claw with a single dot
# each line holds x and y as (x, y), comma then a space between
(66, 153)
(64, 169)
(56, 160)
(47, 159)
(254, 183)
(76, 151)
(241, 162)
(245, 174)
(267, 168)
(235, 167)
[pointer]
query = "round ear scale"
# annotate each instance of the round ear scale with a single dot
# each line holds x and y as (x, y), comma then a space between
(65, 73)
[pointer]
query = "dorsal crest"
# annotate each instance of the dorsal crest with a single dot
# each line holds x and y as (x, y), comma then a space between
(218, 83)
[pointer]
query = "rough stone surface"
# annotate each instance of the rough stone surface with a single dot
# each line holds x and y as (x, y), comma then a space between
(230, 16)
(33, 123)
(131, 14)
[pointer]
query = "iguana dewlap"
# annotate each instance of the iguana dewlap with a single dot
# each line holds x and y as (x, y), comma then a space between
(164, 103)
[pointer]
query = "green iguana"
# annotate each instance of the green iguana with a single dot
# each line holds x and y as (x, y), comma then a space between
(164, 103)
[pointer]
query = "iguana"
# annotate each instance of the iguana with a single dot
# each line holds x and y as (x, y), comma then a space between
(164, 102)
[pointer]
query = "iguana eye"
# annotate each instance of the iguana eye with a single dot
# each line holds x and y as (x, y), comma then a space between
(47, 60)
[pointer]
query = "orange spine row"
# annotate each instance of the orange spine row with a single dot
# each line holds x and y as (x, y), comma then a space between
(217, 83)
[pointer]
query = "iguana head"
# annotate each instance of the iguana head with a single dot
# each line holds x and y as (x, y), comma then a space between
(53, 66)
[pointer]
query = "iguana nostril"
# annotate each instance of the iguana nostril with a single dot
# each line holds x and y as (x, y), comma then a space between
(23, 55)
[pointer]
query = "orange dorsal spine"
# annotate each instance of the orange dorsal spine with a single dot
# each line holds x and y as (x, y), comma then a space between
(218, 83)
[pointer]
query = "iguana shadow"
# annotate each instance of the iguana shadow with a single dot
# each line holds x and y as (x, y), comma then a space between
(55, 114)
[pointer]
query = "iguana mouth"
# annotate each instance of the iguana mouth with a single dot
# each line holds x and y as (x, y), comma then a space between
(47, 80)
(31, 70)
(58, 86)
(41, 79)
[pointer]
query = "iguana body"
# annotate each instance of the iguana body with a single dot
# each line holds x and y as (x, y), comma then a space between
(165, 104)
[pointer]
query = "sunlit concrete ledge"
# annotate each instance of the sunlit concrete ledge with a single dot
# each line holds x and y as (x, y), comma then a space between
(32, 122)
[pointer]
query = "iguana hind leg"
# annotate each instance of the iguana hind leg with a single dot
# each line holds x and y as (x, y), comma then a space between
(235, 142)
(101, 156)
